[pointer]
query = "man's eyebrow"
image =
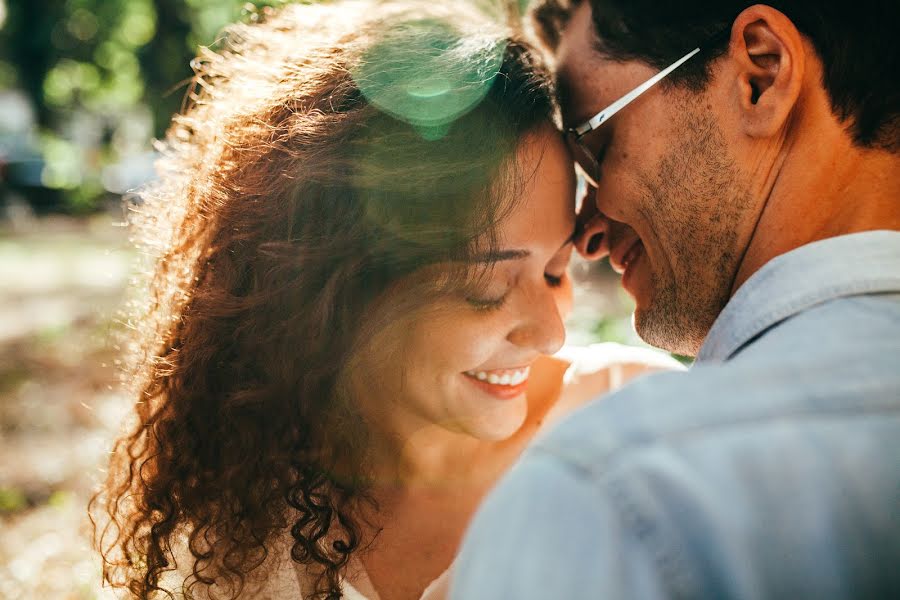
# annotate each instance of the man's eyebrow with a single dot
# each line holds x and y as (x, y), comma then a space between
(564, 98)
(562, 91)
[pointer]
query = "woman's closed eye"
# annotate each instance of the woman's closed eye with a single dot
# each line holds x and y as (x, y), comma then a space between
(491, 295)
(489, 302)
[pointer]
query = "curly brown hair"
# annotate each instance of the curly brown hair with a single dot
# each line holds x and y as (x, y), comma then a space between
(288, 202)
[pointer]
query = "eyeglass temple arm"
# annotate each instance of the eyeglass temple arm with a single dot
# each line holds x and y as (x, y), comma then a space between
(619, 104)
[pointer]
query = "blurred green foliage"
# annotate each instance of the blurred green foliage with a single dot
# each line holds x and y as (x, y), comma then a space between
(101, 78)
(92, 82)
(11, 500)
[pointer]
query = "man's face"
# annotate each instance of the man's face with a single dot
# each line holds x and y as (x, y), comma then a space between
(672, 207)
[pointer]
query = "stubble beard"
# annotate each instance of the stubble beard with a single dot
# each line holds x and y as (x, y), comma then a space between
(696, 200)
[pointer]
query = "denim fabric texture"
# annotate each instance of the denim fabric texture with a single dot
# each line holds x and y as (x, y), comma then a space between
(770, 469)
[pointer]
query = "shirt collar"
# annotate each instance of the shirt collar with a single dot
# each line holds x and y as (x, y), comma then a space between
(848, 265)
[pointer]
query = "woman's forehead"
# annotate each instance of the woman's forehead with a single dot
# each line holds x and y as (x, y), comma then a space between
(544, 209)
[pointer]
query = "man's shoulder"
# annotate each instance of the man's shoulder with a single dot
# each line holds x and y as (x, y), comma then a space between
(711, 402)
(772, 485)
(644, 413)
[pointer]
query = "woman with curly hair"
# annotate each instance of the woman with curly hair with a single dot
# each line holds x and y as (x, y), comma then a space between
(359, 243)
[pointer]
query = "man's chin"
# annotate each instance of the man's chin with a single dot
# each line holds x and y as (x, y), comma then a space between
(646, 328)
(661, 325)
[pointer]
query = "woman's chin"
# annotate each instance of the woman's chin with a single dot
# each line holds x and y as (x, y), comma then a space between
(498, 423)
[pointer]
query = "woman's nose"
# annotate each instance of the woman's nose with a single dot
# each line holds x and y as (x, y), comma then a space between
(541, 327)
(592, 227)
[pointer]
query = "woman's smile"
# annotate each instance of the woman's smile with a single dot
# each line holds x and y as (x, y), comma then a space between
(501, 383)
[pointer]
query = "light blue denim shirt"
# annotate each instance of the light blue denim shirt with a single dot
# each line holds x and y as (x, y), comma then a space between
(771, 469)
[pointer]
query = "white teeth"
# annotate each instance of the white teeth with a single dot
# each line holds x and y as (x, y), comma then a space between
(507, 378)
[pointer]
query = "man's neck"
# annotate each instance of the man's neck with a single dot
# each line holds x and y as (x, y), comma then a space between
(825, 187)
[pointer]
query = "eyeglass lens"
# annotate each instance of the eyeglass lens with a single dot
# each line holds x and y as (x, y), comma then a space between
(584, 157)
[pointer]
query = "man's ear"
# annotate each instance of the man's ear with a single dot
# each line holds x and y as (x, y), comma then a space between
(770, 58)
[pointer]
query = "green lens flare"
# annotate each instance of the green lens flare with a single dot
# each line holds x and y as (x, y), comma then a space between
(426, 74)
(430, 88)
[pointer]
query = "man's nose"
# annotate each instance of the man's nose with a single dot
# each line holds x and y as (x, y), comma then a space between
(593, 226)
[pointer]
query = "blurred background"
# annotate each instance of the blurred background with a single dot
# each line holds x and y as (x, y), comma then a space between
(85, 88)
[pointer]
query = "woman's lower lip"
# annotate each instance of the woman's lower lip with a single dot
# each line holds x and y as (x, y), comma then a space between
(504, 392)
(630, 259)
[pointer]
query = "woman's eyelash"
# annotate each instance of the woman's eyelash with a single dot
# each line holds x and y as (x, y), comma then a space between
(553, 281)
(487, 303)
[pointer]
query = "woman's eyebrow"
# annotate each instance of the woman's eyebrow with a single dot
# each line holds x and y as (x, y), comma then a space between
(516, 254)
(501, 255)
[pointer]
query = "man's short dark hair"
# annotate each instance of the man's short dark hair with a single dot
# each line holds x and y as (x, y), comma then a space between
(856, 43)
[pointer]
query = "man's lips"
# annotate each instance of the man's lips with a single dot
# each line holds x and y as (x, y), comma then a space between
(624, 252)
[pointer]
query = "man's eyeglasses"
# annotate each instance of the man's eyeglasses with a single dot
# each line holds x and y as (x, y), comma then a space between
(587, 159)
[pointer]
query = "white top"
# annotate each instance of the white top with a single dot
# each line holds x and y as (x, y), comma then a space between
(436, 590)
